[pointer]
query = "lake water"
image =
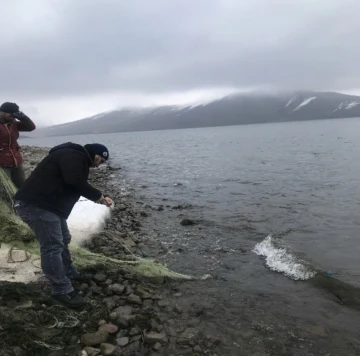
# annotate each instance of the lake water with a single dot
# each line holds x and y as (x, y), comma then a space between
(298, 182)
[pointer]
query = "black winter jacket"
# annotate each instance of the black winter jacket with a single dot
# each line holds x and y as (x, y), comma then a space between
(59, 180)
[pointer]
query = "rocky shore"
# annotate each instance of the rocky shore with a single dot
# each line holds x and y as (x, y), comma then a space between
(128, 315)
(125, 314)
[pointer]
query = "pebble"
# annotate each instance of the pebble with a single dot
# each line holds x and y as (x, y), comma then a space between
(197, 348)
(122, 323)
(92, 339)
(157, 346)
(134, 299)
(107, 349)
(117, 288)
(92, 351)
(101, 322)
(177, 309)
(108, 328)
(100, 277)
(163, 303)
(152, 337)
(134, 331)
(122, 341)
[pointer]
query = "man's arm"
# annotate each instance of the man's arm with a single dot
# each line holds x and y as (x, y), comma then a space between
(24, 123)
(73, 168)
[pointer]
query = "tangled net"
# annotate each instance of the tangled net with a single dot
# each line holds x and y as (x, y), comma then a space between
(17, 234)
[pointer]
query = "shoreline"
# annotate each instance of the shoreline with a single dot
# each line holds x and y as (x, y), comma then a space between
(185, 318)
(125, 314)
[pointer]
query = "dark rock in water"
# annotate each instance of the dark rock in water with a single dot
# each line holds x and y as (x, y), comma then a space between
(114, 168)
(160, 208)
(187, 222)
(143, 214)
(107, 349)
(93, 339)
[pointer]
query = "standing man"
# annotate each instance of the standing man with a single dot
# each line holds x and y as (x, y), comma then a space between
(11, 122)
(45, 202)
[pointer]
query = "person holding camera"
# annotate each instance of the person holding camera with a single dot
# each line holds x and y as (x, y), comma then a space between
(13, 121)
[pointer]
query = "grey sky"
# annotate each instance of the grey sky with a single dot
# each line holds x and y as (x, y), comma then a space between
(70, 58)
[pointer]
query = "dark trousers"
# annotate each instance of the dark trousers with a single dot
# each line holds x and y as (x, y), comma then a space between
(16, 174)
(54, 237)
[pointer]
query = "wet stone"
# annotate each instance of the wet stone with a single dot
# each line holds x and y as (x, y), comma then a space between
(107, 349)
(123, 341)
(134, 299)
(163, 303)
(153, 337)
(108, 328)
(92, 339)
(100, 277)
(91, 351)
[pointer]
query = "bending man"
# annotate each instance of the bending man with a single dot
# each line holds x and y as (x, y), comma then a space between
(46, 200)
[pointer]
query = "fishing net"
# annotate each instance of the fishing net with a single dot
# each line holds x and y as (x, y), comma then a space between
(17, 234)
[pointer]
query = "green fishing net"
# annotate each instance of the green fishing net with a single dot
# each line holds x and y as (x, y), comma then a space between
(14, 232)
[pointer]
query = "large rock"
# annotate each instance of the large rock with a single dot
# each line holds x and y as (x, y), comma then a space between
(152, 337)
(107, 349)
(187, 222)
(92, 339)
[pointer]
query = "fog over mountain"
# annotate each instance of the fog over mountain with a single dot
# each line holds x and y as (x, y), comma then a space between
(236, 109)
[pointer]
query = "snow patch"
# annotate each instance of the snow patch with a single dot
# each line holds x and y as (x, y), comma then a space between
(347, 105)
(351, 105)
(305, 102)
(280, 260)
(290, 101)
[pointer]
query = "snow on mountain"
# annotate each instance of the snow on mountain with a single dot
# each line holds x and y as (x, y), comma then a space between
(347, 105)
(305, 102)
(291, 101)
(245, 108)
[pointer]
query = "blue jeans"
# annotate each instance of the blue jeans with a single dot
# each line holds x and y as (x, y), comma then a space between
(54, 238)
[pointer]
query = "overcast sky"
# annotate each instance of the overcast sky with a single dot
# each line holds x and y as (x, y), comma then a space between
(63, 60)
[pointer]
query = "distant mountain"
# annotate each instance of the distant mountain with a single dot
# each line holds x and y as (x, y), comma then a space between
(232, 110)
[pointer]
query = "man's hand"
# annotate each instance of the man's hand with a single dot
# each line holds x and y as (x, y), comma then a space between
(106, 200)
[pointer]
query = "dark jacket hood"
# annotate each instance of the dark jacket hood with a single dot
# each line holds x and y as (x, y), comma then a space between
(72, 146)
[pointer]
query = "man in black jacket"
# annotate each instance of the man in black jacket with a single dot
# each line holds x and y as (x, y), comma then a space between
(45, 202)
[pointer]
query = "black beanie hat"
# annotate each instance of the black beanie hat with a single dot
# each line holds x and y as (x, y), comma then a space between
(10, 108)
(97, 149)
